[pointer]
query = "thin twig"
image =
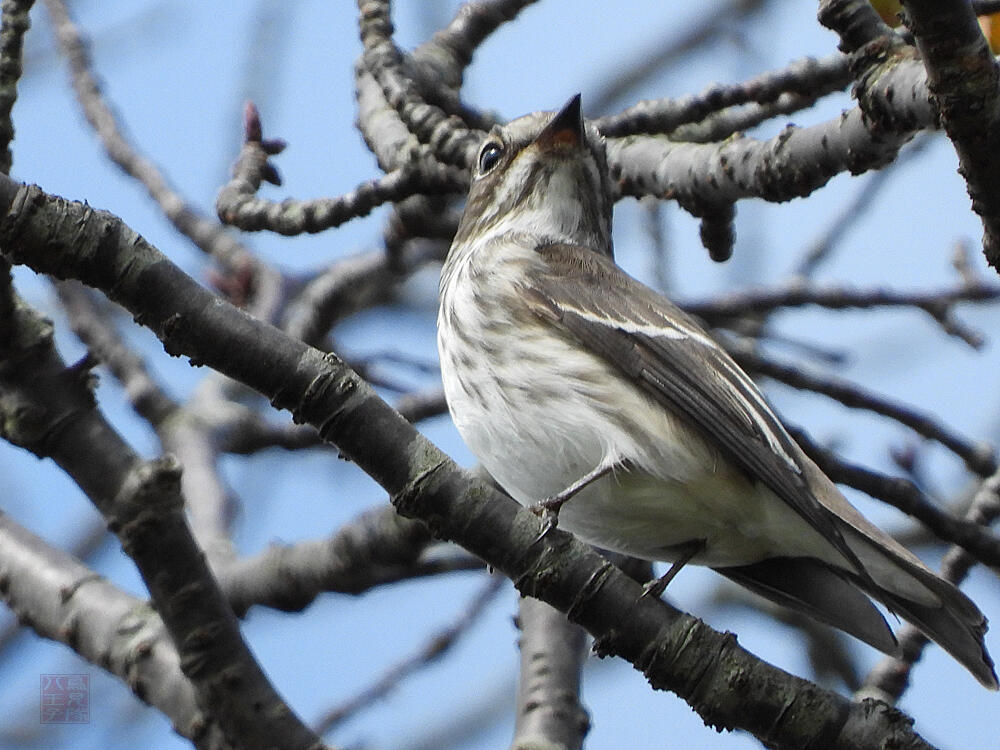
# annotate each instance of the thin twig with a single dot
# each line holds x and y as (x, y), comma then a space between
(713, 24)
(938, 304)
(435, 647)
(208, 235)
(863, 201)
(90, 318)
(807, 78)
(238, 206)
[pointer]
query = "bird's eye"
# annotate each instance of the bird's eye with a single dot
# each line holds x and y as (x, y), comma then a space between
(489, 157)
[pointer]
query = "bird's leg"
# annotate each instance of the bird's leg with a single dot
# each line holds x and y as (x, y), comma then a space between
(686, 552)
(548, 509)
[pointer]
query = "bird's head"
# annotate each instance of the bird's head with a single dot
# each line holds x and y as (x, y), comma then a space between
(544, 175)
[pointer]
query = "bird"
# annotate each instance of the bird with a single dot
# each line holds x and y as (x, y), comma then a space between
(594, 400)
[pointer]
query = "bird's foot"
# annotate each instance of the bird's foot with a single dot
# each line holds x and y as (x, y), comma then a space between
(548, 511)
(656, 587)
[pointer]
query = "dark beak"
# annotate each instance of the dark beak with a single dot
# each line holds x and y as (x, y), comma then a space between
(565, 130)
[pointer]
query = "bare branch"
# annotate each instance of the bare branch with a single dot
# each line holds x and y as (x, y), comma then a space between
(450, 50)
(91, 321)
(238, 207)
(809, 78)
(938, 304)
(978, 457)
(441, 127)
(964, 81)
(675, 651)
(15, 24)
(67, 602)
(354, 559)
(724, 19)
(980, 542)
(48, 408)
(209, 236)
(549, 711)
(855, 22)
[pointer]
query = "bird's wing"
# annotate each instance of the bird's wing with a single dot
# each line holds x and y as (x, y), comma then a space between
(671, 357)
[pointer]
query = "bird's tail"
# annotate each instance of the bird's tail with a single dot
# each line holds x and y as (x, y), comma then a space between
(948, 617)
(820, 591)
(895, 576)
(833, 595)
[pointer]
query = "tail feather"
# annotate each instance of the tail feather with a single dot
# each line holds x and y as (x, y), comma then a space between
(820, 591)
(838, 597)
(897, 578)
(961, 638)
(953, 621)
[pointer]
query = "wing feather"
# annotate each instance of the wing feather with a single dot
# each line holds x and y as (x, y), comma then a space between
(666, 353)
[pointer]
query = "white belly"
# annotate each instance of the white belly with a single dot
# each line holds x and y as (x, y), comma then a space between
(540, 412)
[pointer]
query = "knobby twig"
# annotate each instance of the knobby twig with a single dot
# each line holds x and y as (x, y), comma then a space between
(15, 23)
(238, 206)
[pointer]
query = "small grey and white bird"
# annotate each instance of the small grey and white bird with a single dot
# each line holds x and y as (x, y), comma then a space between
(567, 377)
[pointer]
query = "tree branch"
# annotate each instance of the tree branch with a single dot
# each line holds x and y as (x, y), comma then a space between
(435, 647)
(964, 81)
(209, 236)
(238, 206)
(550, 715)
(14, 27)
(48, 408)
(729, 687)
(809, 78)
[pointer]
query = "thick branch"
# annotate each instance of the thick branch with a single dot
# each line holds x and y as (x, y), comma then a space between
(725, 684)
(64, 600)
(790, 165)
(964, 81)
(550, 715)
(48, 408)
